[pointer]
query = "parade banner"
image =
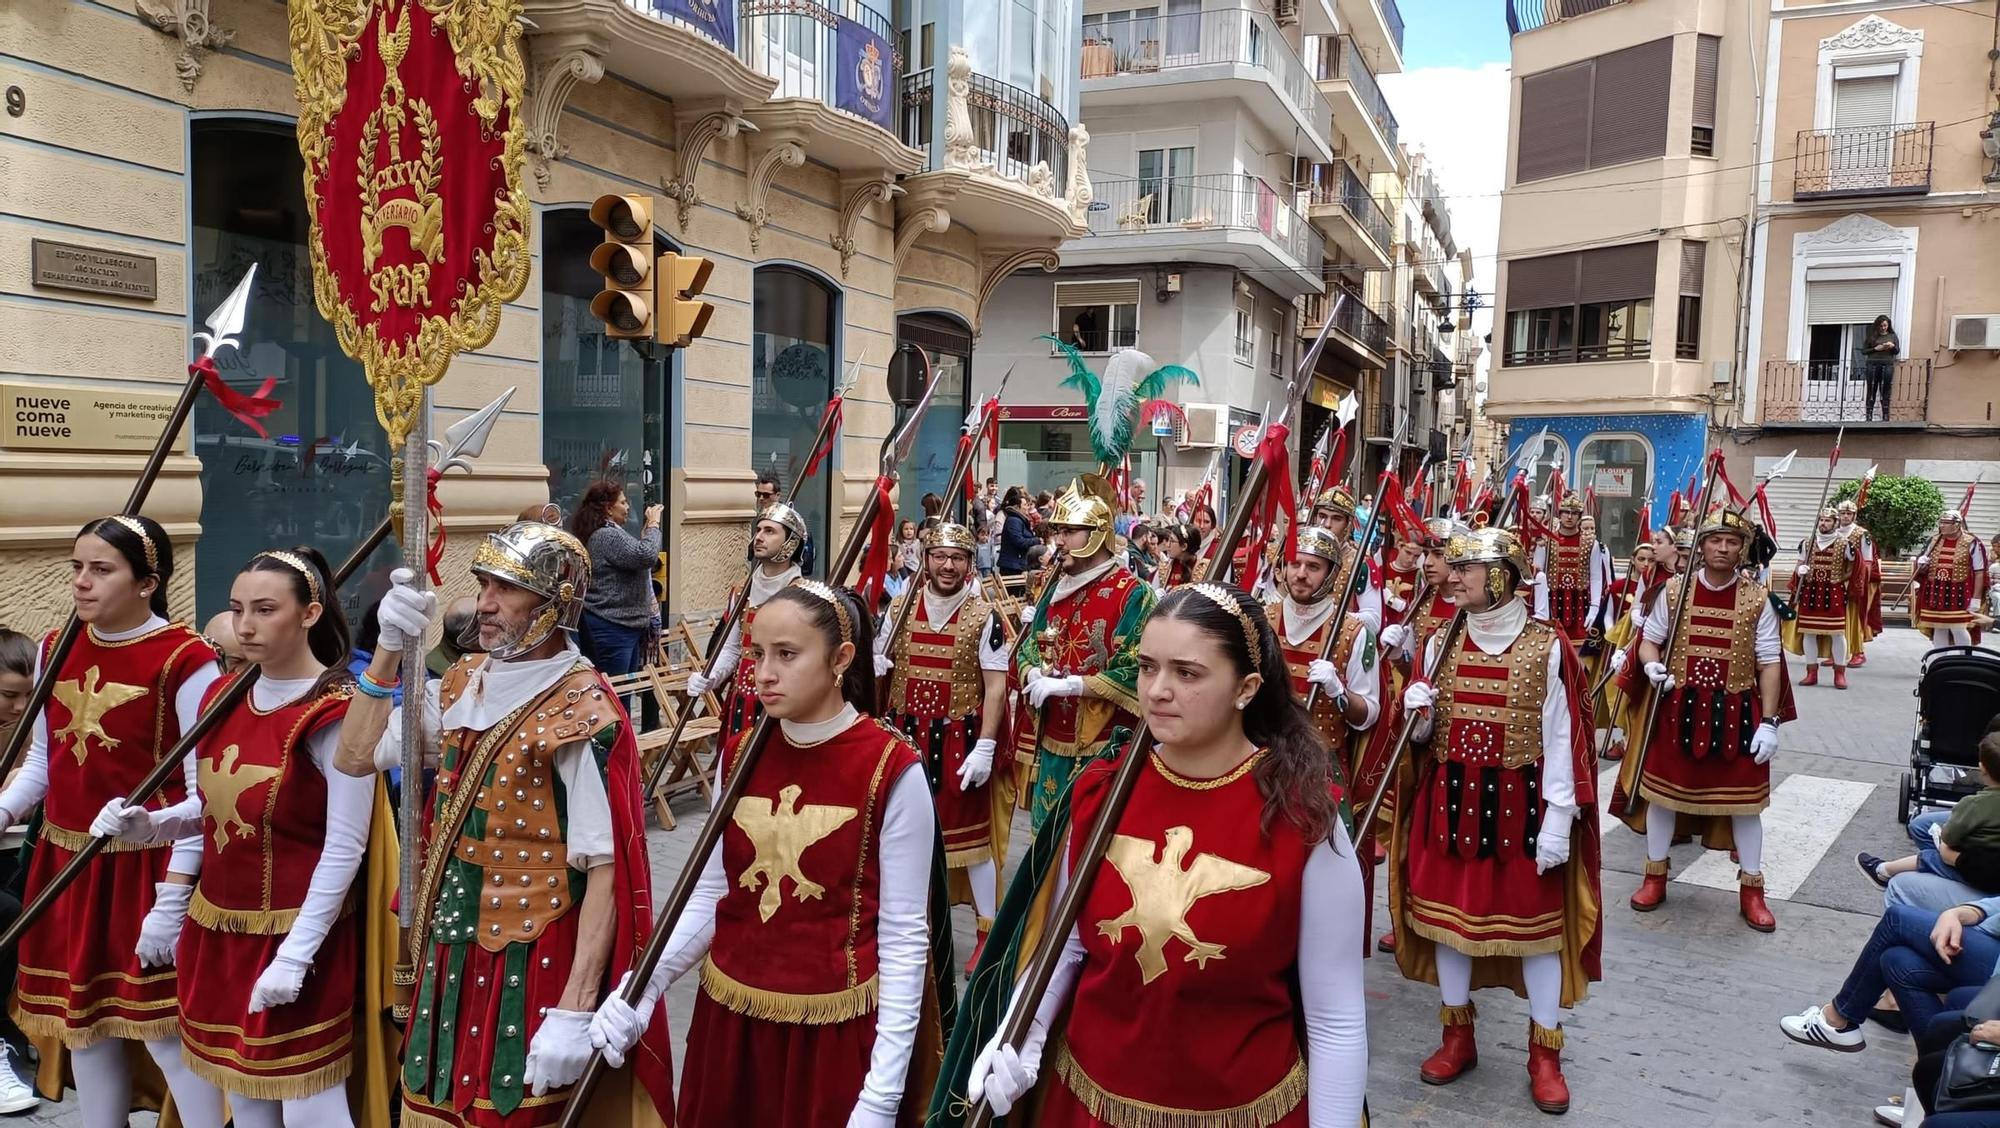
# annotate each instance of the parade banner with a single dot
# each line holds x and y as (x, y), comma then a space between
(861, 74)
(713, 18)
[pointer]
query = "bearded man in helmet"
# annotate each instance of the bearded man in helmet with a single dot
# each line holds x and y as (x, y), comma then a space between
(775, 544)
(534, 894)
(1079, 663)
(1950, 584)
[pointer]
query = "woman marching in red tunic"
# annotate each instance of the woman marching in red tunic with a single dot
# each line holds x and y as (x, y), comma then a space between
(810, 925)
(1222, 931)
(270, 957)
(97, 972)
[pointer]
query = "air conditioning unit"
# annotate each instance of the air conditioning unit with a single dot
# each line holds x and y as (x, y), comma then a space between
(1207, 426)
(1975, 331)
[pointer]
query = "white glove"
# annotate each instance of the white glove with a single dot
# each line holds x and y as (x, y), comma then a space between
(280, 983)
(1395, 603)
(1045, 688)
(1552, 841)
(1764, 744)
(699, 684)
(1638, 614)
(978, 766)
(405, 612)
(1394, 636)
(160, 933)
(558, 1052)
(883, 665)
(1618, 660)
(1002, 1076)
(116, 820)
(1923, 561)
(1656, 672)
(1419, 696)
(1028, 615)
(1323, 674)
(617, 1027)
(865, 1117)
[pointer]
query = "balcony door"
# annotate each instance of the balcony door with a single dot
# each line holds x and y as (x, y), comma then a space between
(1864, 117)
(1838, 313)
(1166, 183)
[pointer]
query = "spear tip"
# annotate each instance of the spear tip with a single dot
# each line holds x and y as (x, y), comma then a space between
(226, 320)
(466, 439)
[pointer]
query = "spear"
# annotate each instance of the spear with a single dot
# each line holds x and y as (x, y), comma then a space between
(732, 614)
(1042, 965)
(463, 442)
(224, 323)
(1353, 581)
(895, 449)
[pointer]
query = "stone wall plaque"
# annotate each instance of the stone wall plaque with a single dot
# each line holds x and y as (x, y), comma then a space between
(96, 270)
(53, 417)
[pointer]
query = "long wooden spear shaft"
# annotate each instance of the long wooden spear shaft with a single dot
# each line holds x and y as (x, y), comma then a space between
(463, 442)
(1826, 483)
(223, 325)
(1353, 581)
(733, 613)
(895, 449)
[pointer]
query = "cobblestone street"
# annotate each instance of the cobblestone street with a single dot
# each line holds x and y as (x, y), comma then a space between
(1683, 1031)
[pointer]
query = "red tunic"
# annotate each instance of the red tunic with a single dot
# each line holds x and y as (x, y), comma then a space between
(785, 1022)
(1820, 595)
(1698, 761)
(1948, 585)
(936, 697)
(1402, 585)
(263, 827)
(1191, 941)
(1571, 558)
(109, 720)
(740, 707)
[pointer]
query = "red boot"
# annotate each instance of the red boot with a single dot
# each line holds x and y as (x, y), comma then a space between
(1839, 677)
(1545, 1073)
(1751, 894)
(1457, 1054)
(1812, 676)
(1857, 660)
(1387, 944)
(984, 925)
(1615, 750)
(1652, 891)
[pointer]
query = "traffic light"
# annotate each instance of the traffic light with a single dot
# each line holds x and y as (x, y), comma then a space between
(625, 259)
(682, 316)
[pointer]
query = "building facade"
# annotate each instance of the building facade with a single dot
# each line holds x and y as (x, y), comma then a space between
(860, 178)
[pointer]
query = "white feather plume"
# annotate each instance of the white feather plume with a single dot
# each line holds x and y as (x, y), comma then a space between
(1123, 372)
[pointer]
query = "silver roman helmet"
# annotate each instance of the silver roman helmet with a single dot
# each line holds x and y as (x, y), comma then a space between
(793, 522)
(542, 559)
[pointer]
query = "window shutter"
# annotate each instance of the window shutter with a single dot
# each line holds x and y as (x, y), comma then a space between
(1614, 274)
(1848, 301)
(1859, 103)
(1120, 292)
(1555, 123)
(1694, 264)
(1538, 283)
(1707, 63)
(1628, 109)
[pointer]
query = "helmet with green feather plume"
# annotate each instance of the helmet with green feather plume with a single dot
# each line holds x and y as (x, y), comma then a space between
(1131, 386)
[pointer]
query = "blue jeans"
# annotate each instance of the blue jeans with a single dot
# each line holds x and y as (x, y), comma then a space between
(1931, 862)
(1899, 956)
(1920, 828)
(613, 648)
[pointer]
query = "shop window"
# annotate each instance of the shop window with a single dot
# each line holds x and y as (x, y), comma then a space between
(1620, 468)
(949, 343)
(791, 379)
(321, 476)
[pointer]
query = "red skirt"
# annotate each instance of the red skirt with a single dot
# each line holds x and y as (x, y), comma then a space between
(965, 818)
(1941, 603)
(741, 1071)
(80, 978)
(1472, 880)
(294, 1050)
(1822, 608)
(1699, 761)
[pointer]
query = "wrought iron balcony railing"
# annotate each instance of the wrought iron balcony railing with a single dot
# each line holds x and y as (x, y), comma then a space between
(1527, 15)
(1336, 58)
(1336, 183)
(798, 41)
(1355, 319)
(1878, 160)
(1013, 132)
(1156, 44)
(1855, 391)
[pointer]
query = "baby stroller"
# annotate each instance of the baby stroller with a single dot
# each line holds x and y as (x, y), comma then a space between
(1958, 695)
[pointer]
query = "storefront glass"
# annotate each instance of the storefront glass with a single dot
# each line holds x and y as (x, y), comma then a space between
(949, 344)
(1620, 469)
(791, 379)
(1048, 454)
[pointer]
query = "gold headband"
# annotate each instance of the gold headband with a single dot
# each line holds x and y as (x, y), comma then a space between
(1221, 597)
(133, 526)
(304, 569)
(822, 591)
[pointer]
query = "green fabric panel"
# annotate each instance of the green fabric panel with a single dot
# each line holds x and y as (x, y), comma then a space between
(1123, 668)
(510, 1054)
(446, 1041)
(415, 1076)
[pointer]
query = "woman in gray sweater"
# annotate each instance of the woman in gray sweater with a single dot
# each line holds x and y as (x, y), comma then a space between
(618, 608)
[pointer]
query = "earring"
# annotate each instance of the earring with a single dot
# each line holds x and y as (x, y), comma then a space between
(1242, 705)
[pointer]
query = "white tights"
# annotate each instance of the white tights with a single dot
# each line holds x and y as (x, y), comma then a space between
(324, 1109)
(1543, 975)
(1951, 636)
(104, 1085)
(1816, 646)
(1747, 829)
(985, 882)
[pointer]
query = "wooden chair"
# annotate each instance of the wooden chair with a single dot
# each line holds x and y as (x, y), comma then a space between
(667, 680)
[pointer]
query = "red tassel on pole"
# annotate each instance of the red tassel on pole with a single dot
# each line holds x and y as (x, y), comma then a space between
(1280, 497)
(434, 551)
(834, 412)
(875, 566)
(247, 409)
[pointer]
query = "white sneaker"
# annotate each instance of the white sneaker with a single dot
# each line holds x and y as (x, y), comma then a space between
(1889, 1114)
(15, 1094)
(1811, 1027)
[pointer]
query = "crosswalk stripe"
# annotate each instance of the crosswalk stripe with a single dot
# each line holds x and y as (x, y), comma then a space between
(1806, 815)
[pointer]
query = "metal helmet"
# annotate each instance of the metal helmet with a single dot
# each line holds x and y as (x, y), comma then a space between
(1492, 546)
(1338, 498)
(792, 521)
(1847, 508)
(1722, 518)
(949, 534)
(1315, 541)
(1683, 537)
(542, 559)
(1438, 531)
(1829, 513)
(1086, 504)
(1571, 502)
(1951, 515)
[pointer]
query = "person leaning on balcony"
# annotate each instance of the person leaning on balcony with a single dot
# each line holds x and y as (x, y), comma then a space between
(1878, 355)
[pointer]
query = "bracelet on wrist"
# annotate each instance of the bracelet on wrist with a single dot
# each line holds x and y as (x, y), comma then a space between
(372, 688)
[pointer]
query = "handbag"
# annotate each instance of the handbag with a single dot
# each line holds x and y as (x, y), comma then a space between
(1970, 1079)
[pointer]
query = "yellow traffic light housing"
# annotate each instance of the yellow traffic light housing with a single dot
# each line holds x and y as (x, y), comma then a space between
(682, 316)
(625, 259)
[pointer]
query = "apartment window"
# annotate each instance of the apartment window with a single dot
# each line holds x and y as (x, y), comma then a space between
(1166, 183)
(1864, 97)
(1098, 316)
(1687, 328)
(1707, 64)
(1245, 332)
(1583, 306)
(1599, 112)
(1841, 302)
(1278, 343)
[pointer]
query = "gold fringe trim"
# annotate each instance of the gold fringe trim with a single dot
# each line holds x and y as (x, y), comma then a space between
(1458, 1016)
(1656, 869)
(1481, 948)
(969, 856)
(258, 922)
(775, 1006)
(1750, 880)
(1539, 1035)
(76, 840)
(262, 1088)
(1124, 1112)
(51, 1028)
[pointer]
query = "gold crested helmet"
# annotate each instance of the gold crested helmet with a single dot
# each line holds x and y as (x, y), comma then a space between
(949, 534)
(540, 558)
(1847, 507)
(1337, 498)
(1683, 537)
(1086, 504)
(1315, 541)
(1438, 531)
(1829, 512)
(792, 521)
(1491, 546)
(1723, 518)
(1571, 502)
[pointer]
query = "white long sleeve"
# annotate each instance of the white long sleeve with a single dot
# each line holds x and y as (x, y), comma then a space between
(1361, 679)
(726, 658)
(1540, 580)
(1558, 773)
(1331, 994)
(1069, 965)
(695, 930)
(350, 807)
(187, 709)
(902, 938)
(1600, 576)
(31, 783)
